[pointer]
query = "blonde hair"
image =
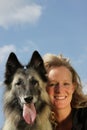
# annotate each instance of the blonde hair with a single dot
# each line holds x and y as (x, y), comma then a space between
(79, 99)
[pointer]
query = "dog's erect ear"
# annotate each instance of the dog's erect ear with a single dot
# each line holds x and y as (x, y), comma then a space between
(36, 60)
(13, 62)
(37, 63)
(12, 65)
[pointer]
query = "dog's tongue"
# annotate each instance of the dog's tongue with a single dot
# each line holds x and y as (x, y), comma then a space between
(29, 113)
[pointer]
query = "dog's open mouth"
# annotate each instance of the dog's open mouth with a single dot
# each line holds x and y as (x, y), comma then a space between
(29, 113)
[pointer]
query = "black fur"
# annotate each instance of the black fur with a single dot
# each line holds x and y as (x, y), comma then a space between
(26, 84)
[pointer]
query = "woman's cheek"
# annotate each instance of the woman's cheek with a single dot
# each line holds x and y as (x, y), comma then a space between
(50, 90)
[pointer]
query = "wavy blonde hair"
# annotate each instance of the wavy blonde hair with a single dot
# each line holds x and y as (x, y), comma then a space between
(79, 99)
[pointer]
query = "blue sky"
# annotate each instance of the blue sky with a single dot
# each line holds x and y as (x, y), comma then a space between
(49, 26)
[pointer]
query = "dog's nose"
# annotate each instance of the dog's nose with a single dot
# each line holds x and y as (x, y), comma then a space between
(28, 99)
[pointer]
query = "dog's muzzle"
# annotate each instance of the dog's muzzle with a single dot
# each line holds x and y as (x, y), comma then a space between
(28, 99)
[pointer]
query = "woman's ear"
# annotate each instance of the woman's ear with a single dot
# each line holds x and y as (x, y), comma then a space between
(74, 87)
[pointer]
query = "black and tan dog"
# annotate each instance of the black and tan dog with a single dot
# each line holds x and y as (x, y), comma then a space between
(26, 102)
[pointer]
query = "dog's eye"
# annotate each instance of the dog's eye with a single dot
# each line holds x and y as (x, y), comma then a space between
(34, 82)
(20, 82)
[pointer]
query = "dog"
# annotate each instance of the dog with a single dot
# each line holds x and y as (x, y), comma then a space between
(26, 102)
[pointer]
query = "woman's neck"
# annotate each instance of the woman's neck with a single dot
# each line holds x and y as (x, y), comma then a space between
(62, 115)
(63, 119)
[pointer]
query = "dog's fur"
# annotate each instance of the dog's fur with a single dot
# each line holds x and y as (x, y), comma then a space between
(26, 84)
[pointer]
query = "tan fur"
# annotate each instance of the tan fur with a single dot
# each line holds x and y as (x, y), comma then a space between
(15, 91)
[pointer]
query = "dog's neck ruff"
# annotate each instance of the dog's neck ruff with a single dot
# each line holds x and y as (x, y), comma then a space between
(53, 120)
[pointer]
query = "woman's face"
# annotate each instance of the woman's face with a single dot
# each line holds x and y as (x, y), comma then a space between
(60, 87)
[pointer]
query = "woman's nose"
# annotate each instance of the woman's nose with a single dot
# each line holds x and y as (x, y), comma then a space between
(58, 88)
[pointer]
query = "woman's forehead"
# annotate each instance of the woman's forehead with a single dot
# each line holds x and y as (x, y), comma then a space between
(60, 72)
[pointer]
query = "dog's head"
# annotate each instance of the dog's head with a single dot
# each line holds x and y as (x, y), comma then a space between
(27, 83)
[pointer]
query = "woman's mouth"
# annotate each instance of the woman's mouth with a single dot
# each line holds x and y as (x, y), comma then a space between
(60, 97)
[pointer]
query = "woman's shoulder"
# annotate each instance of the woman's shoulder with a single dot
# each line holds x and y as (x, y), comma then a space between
(80, 118)
(80, 112)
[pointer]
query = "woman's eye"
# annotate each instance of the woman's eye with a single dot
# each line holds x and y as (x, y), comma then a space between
(51, 85)
(66, 84)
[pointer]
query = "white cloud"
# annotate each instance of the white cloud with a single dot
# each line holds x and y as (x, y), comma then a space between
(18, 12)
(5, 50)
(29, 46)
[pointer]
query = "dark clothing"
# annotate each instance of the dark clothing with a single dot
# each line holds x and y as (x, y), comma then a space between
(79, 119)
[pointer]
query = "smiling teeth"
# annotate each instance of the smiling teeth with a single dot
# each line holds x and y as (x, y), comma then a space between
(60, 98)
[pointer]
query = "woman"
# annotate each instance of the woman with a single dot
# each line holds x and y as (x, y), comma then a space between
(69, 104)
